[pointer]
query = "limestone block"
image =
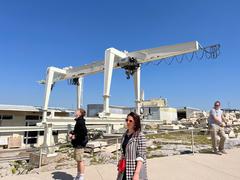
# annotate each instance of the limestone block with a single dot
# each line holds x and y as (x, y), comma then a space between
(96, 144)
(14, 141)
(231, 134)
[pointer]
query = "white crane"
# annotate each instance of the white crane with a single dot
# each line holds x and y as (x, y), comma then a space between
(130, 61)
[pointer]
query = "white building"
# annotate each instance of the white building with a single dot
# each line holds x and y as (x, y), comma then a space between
(19, 115)
(154, 109)
(157, 109)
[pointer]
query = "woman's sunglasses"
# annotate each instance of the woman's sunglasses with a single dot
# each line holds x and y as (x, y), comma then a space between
(129, 120)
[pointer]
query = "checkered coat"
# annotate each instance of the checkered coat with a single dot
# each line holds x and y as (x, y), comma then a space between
(135, 150)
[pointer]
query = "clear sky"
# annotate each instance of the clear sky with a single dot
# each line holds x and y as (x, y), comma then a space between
(38, 34)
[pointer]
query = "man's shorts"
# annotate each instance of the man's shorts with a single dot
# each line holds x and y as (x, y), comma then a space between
(78, 154)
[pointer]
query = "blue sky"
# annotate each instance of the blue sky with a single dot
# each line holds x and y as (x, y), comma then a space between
(38, 34)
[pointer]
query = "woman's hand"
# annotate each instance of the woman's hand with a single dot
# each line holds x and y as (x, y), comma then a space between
(136, 176)
(71, 136)
(137, 170)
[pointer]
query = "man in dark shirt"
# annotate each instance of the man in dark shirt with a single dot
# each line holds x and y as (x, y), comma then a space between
(79, 140)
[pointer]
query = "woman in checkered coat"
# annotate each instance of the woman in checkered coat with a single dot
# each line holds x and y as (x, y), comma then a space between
(133, 148)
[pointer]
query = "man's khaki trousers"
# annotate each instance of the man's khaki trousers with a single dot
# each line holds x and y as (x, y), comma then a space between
(216, 130)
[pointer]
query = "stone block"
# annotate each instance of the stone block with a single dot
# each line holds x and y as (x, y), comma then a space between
(46, 159)
(96, 144)
(14, 141)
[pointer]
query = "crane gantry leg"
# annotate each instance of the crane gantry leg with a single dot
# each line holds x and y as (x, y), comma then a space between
(80, 92)
(111, 54)
(48, 139)
(136, 78)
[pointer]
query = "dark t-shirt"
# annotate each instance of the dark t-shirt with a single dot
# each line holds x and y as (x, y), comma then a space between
(125, 142)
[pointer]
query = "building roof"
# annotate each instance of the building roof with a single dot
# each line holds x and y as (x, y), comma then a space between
(185, 108)
(6, 107)
(111, 106)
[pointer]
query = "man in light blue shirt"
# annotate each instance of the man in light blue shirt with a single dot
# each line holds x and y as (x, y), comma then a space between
(216, 126)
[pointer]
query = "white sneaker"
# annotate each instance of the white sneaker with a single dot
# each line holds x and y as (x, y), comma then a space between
(77, 178)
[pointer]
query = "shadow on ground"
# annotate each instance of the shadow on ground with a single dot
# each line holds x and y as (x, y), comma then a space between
(58, 175)
(209, 151)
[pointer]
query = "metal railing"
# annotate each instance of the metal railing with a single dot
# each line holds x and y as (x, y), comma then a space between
(189, 137)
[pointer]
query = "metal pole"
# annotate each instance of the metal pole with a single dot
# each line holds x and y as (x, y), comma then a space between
(27, 138)
(69, 129)
(192, 142)
(117, 149)
(40, 157)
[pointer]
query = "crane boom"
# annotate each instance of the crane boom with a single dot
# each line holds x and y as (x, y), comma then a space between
(141, 56)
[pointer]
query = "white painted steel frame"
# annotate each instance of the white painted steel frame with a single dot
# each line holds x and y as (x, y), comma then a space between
(113, 59)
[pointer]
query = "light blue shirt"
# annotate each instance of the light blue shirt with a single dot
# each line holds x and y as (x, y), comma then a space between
(217, 113)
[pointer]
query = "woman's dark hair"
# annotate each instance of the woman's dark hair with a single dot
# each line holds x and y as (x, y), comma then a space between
(136, 118)
(82, 111)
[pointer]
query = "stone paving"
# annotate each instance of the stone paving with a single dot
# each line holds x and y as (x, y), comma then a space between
(179, 167)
